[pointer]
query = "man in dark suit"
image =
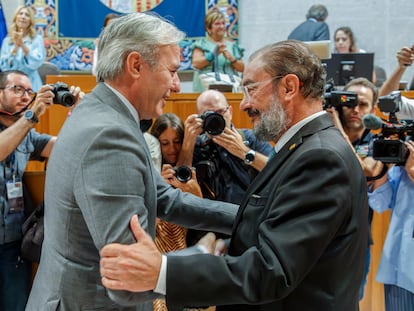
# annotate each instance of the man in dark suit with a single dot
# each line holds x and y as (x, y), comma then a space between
(299, 239)
(314, 28)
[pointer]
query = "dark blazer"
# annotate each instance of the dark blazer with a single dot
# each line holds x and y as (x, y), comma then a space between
(310, 30)
(99, 174)
(299, 238)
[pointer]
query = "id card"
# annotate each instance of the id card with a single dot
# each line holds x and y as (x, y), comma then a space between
(15, 196)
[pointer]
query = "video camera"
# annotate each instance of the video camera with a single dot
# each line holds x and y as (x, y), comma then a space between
(62, 95)
(389, 146)
(338, 99)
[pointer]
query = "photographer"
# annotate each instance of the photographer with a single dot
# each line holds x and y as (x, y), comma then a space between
(395, 191)
(20, 108)
(405, 58)
(349, 122)
(237, 154)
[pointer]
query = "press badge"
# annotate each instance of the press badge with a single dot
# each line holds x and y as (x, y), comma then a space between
(15, 195)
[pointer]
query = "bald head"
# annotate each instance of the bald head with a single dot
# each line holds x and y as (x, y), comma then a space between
(211, 100)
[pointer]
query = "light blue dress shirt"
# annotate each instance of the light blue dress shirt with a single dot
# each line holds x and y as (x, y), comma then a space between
(397, 259)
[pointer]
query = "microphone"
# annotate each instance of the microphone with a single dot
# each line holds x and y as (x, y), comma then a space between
(372, 122)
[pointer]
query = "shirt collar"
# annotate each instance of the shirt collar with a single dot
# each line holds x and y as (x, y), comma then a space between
(125, 102)
(294, 129)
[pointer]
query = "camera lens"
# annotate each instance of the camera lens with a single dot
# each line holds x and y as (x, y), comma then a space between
(62, 95)
(64, 98)
(183, 173)
(213, 123)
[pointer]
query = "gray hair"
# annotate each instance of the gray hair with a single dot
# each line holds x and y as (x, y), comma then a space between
(294, 57)
(141, 32)
(318, 12)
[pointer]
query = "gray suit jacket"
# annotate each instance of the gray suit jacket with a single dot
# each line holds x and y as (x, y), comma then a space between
(299, 240)
(99, 174)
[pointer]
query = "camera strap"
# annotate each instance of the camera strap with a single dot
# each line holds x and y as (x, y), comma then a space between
(16, 114)
(380, 175)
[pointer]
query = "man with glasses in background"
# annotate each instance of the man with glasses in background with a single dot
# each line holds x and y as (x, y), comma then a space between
(20, 109)
(238, 149)
(226, 163)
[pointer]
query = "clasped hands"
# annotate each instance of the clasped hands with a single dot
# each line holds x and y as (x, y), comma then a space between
(18, 38)
(136, 267)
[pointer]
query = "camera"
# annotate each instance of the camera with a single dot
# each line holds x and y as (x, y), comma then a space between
(391, 104)
(213, 123)
(337, 98)
(389, 145)
(183, 173)
(62, 95)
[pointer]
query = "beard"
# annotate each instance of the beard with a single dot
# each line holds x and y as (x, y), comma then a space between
(273, 123)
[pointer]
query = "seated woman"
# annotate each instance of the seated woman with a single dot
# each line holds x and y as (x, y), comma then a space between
(169, 130)
(345, 41)
(229, 54)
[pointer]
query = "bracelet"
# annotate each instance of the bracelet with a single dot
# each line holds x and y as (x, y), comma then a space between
(209, 56)
(234, 61)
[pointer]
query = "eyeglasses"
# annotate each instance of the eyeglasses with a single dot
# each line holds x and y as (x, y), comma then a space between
(222, 111)
(19, 91)
(250, 88)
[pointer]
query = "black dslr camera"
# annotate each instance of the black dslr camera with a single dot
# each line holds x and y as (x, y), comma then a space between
(62, 95)
(213, 123)
(338, 99)
(389, 145)
(183, 173)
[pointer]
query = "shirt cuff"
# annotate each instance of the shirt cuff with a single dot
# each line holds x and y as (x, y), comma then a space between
(161, 287)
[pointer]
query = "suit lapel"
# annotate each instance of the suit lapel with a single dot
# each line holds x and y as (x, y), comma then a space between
(108, 97)
(274, 164)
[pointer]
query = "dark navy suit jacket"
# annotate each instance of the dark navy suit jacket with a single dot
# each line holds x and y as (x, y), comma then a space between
(310, 30)
(299, 239)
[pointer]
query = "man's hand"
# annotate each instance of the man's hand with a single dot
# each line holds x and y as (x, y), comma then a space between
(405, 56)
(193, 126)
(77, 94)
(232, 141)
(134, 267)
(208, 242)
(43, 100)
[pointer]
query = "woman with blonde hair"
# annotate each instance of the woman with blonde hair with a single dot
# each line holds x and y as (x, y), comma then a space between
(23, 49)
(215, 45)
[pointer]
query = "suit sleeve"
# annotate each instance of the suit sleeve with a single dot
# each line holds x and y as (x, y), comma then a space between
(305, 207)
(322, 33)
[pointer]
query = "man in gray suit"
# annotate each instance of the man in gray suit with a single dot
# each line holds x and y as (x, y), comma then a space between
(100, 172)
(299, 239)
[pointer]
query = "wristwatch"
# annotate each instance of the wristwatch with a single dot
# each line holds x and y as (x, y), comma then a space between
(31, 116)
(249, 157)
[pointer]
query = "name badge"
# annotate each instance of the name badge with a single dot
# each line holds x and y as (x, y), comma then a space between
(15, 196)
